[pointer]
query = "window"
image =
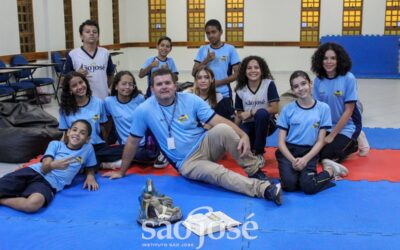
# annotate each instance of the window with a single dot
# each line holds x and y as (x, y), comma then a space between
(69, 34)
(234, 22)
(309, 29)
(115, 9)
(157, 20)
(26, 29)
(392, 17)
(94, 12)
(195, 22)
(352, 17)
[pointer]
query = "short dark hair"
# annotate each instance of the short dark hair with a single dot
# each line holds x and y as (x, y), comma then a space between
(162, 72)
(88, 126)
(88, 23)
(116, 80)
(162, 38)
(215, 23)
(298, 73)
(342, 57)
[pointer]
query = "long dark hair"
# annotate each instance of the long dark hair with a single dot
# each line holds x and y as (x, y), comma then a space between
(68, 103)
(212, 94)
(342, 57)
(242, 78)
(117, 79)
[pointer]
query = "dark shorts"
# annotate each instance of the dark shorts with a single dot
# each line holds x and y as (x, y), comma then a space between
(24, 182)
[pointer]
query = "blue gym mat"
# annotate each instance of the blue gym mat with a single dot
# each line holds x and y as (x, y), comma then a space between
(378, 138)
(352, 214)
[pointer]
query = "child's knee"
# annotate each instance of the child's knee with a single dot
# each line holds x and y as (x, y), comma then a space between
(34, 203)
(261, 114)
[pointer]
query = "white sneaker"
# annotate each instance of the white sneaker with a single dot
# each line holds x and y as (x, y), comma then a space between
(363, 144)
(111, 165)
(161, 161)
(338, 169)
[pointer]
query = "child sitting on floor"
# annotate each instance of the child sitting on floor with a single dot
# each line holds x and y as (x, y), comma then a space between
(29, 189)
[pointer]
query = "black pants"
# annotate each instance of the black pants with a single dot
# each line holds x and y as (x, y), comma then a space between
(263, 126)
(341, 147)
(107, 153)
(306, 180)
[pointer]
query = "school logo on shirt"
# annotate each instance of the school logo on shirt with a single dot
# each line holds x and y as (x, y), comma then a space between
(183, 118)
(338, 93)
(94, 67)
(96, 118)
(224, 58)
(316, 124)
(79, 159)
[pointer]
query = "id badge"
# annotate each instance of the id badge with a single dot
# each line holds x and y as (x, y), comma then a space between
(171, 142)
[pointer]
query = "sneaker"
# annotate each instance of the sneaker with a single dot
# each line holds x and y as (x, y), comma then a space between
(111, 165)
(260, 175)
(338, 169)
(155, 208)
(161, 161)
(363, 144)
(261, 159)
(274, 193)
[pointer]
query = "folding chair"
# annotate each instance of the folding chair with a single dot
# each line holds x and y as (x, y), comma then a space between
(59, 67)
(16, 87)
(6, 91)
(27, 74)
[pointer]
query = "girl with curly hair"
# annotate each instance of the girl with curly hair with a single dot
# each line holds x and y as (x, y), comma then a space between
(77, 103)
(257, 102)
(337, 86)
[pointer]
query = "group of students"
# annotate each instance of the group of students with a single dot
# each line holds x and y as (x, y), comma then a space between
(323, 124)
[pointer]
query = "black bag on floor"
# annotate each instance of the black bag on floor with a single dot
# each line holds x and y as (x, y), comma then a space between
(25, 132)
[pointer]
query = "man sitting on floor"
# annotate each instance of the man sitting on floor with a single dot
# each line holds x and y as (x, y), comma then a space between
(174, 119)
(29, 189)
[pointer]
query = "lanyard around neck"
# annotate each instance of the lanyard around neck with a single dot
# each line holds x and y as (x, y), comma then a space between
(169, 123)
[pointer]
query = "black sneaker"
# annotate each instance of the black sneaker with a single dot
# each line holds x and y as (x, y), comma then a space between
(274, 193)
(161, 161)
(260, 175)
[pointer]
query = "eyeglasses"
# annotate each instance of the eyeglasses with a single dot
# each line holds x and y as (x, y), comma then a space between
(128, 84)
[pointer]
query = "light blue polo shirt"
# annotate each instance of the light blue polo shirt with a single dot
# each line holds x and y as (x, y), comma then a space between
(57, 150)
(336, 92)
(225, 56)
(303, 124)
(186, 129)
(93, 112)
(122, 114)
(169, 62)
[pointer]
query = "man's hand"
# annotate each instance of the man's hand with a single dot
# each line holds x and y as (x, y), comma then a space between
(244, 145)
(113, 174)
